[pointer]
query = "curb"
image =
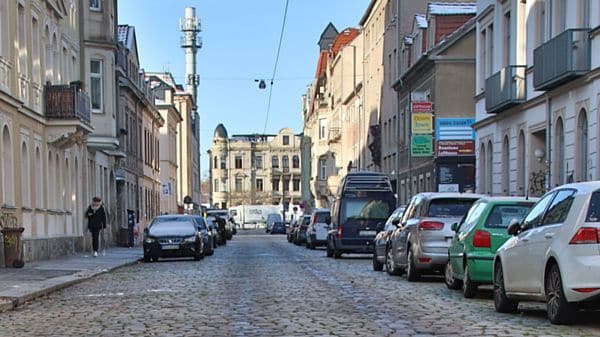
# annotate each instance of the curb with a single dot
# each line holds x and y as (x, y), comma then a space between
(10, 302)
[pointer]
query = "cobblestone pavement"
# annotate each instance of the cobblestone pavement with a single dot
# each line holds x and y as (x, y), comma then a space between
(260, 285)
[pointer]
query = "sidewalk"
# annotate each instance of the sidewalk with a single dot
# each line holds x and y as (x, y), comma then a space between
(40, 278)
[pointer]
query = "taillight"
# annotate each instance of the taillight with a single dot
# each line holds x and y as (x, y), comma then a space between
(586, 235)
(585, 290)
(482, 239)
(431, 225)
(339, 232)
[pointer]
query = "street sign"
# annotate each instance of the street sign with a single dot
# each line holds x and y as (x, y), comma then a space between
(421, 146)
(454, 129)
(422, 123)
(451, 148)
(421, 107)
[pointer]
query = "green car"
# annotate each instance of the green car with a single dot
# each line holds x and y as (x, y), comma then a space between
(478, 235)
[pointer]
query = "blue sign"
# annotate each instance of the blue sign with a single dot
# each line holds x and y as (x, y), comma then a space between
(454, 129)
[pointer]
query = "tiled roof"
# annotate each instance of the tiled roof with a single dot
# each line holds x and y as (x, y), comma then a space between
(343, 38)
(321, 64)
(452, 8)
(421, 21)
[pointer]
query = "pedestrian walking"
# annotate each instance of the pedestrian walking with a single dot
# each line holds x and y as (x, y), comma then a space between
(96, 221)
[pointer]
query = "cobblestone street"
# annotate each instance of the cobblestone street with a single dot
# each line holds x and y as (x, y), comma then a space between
(260, 285)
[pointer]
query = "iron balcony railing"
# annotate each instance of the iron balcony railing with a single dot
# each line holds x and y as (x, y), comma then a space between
(67, 102)
(561, 59)
(505, 89)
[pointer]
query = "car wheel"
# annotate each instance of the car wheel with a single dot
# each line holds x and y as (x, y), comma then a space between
(469, 287)
(412, 274)
(329, 249)
(501, 302)
(337, 254)
(390, 267)
(155, 259)
(377, 266)
(451, 282)
(146, 258)
(313, 245)
(559, 310)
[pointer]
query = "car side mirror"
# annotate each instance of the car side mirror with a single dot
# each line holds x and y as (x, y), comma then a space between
(514, 228)
(454, 226)
(328, 220)
(396, 222)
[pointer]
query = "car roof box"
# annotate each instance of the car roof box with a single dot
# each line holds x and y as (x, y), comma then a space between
(366, 182)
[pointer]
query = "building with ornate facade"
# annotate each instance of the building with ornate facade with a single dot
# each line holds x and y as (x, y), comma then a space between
(255, 169)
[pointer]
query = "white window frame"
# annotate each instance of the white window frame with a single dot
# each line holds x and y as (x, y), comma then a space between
(97, 6)
(100, 77)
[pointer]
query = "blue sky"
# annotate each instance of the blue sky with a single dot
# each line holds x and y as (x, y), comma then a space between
(239, 45)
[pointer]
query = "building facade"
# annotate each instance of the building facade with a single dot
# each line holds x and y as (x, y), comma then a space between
(255, 169)
(537, 94)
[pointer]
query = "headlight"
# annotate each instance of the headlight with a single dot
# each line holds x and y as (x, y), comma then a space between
(190, 239)
(150, 240)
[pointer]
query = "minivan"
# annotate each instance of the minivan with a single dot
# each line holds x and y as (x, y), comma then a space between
(363, 203)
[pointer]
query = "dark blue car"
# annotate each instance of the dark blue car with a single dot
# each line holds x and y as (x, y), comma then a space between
(278, 228)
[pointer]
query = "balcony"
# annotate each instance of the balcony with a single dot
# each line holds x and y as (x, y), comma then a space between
(561, 59)
(67, 109)
(505, 89)
(335, 134)
(67, 102)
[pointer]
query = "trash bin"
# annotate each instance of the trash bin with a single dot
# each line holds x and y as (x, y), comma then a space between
(12, 245)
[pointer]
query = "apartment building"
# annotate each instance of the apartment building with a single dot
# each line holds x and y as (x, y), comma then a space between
(537, 94)
(255, 169)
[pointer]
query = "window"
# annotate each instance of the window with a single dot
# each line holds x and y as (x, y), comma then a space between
(285, 161)
(258, 162)
(559, 208)
(238, 185)
(295, 162)
(506, 39)
(559, 150)
(322, 169)
(7, 174)
(490, 168)
(472, 216)
(286, 140)
(286, 184)
(22, 65)
(259, 185)
(296, 185)
(505, 166)
(95, 5)
(96, 84)
(276, 184)
(537, 212)
(444, 208)
(216, 185)
(275, 162)
(25, 176)
(216, 162)
(521, 164)
(35, 50)
(238, 162)
(322, 128)
(582, 146)
(502, 215)
(223, 163)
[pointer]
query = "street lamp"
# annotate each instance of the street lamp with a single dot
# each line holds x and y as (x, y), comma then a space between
(261, 84)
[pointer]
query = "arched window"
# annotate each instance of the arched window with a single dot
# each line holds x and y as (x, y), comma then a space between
(59, 192)
(490, 168)
(558, 176)
(505, 166)
(296, 161)
(482, 169)
(7, 174)
(216, 162)
(285, 162)
(275, 162)
(50, 182)
(521, 176)
(25, 174)
(37, 176)
(67, 186)
(582, 146)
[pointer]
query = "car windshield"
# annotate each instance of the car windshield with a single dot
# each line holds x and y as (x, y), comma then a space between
(305, 220)
(502, 215)
(395, 216)
(321, 217)
(170, 219)
(365, 209)
(178, 225)
(449, 207)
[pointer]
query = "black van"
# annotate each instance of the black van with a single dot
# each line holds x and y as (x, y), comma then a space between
(363, 203)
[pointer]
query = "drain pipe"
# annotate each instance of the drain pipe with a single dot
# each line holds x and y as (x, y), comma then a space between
(548, 142)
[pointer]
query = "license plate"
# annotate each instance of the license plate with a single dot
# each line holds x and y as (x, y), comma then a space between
(170, 247)
(367, 233)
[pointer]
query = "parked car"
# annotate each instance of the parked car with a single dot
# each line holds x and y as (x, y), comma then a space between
(211, 221)
(381, 239)
(279, 227)
(300, 233)
(420, 244)
(272, 218)
(553, 255)
(172, 236)
(207, 242)
(294, 225)
(223, 213)
(481, 232)
(317, 228)
(363, 202)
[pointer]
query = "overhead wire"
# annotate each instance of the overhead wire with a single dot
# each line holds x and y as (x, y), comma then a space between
(276, 64)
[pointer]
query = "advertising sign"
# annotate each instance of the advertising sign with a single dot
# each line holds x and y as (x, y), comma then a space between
(421, 106)
(452, 148)
(454, 129)
(421, 146)
(422, 123)
(456, 177)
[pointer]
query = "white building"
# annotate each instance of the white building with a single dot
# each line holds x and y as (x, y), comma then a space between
(537, 94)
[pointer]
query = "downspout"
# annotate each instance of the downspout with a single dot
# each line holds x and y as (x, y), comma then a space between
(548, 142)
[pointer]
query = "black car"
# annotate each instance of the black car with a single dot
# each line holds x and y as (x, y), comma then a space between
(220, 234)
(207, 237)
(173, 236)
(229, 225)
(278, 228)
(382, 238)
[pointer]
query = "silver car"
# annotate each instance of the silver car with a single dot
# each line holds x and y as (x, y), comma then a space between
(420, 243)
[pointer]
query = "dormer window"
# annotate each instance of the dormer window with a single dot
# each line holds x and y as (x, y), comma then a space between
(286, 140)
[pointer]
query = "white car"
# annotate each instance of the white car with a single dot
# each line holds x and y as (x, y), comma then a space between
(316, 232)
(554, 254)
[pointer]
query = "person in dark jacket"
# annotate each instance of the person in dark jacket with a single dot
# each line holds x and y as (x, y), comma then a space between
(96, 221)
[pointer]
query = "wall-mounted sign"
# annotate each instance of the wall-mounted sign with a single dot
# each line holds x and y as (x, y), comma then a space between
(422, 123)
(451, 148)
(454, 129)
(421, 146)
(421, 106)
(166, 188)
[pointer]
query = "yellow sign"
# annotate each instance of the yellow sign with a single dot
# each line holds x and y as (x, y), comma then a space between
(422, 123)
